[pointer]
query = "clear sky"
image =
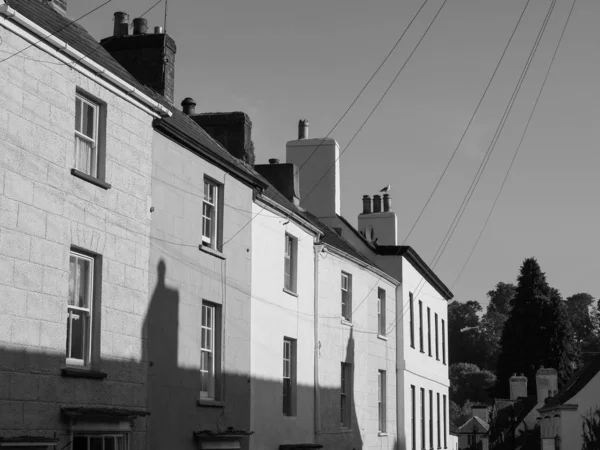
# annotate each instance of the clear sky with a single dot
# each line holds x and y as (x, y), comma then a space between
(282, 60)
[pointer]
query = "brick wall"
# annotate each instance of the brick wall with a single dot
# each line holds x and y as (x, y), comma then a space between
(44, 210)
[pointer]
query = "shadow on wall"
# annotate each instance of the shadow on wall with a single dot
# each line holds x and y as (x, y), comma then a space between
(35, 391)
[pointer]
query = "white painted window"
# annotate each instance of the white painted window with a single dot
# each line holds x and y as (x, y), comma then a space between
(208, 356)
(382, 404)
(100, 442)
(80, 309)
(346, 395)
(290, 263)
(381, 312)
(210, 216)
(86, 135)
(289, 377)
(346, 296)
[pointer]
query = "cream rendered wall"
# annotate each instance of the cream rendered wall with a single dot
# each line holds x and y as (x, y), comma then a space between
(359, 343)
(276, 314)
(192, 275)
(44, 210)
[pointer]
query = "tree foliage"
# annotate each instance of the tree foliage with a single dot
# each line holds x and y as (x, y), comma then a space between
(463, 332)
(469, 382)
(591, 430)
(537, 331)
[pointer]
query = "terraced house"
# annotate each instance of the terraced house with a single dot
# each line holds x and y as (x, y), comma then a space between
(160, 289)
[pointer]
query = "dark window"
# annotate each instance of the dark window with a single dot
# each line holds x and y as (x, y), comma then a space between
(381, 312)
(412, 319)
(421, 326)
(382, 403)
(347, 296)
(439, 430)
(423, 418)
(429, 331)
(431, 419)
(346, 395)
(289, 377)
(445, 420)
(443, 341)
(413, 419)
(437, 345)
(289, 263)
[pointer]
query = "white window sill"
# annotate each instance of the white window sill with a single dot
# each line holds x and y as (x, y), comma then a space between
(211, 251)
(382, 433)
(292, 293)
(346, 322)
(382, 337)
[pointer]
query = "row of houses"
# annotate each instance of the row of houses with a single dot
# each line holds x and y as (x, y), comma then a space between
(160, 289)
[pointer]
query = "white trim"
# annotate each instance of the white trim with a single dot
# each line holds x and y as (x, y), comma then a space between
(82, 63)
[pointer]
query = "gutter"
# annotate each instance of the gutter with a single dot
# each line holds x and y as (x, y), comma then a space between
(363, 264)
(317, 391)
(273, 205)
(157, 109)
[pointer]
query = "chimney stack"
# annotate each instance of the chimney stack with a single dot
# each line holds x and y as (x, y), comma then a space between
(140, 26)
(188, 106)
(150, 58)
(121, 24)
(387, 203)
(376, 203)
(480, 411)
(518, 386)
(233, 130)
(546, 383)
(284, 177)
(366, 204)
(303, 129)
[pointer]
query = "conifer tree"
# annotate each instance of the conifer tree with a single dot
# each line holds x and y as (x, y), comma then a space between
(537, 332)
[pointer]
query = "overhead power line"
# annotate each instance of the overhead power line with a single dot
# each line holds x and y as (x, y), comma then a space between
(518, 147)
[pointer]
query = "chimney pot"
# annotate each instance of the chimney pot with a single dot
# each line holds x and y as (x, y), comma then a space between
(189, 106)
(387, 203)
(273, 161)
(121, 24)
(366, 204)
(140, 26)
(376, 203)
(158, 30)
(303, 129)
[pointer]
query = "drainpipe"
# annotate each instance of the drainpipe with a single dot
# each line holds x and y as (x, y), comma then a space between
(317, 392)
(400, 428)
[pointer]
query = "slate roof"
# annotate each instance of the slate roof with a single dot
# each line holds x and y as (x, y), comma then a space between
(77, 37)
(577, 382)
(453, 428)
(474, 424)
(505, 409)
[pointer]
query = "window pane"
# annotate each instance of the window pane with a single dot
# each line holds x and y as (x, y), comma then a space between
(72, 276)
(109, 443)
(88, 121)
(77, 330)
(78, 114)
(80, 443)
(82, 286)
(96, 443)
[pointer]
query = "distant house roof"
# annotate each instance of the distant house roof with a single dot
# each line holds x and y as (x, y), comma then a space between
(474, 425)
(179, 126)
(453, 429)
(577, 382)
(505, 410)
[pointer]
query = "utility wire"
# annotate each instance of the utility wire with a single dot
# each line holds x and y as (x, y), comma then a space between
(57, 31)
(518, 147)
(468, 124)
(349, 107)
(493, 143)
(146, 12)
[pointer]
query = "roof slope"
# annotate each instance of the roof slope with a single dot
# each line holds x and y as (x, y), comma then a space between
(77, 37)
(577, 382)
(474, 424)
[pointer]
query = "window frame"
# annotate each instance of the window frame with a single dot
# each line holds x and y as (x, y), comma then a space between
(214, 329)
(430, 419)
(126, 437)
(381, 312)
(421, 342)
(87, 335)
(443, 342)
(445, 422)
(439, 429)
(423, 429)
(412, 319)
(97, 176)
(215, 237)
(346, 300)
(382, 400)
(429, 331)
(291, 242)
(346, 395)
(413, 414)
(437, 343)
(289, 407)
(95, 293)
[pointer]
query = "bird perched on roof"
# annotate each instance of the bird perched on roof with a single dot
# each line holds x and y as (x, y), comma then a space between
(386, 189)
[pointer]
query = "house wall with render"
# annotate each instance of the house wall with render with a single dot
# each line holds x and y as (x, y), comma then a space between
(44, 211)
(356, 342)
(278, 313)
(182, 276)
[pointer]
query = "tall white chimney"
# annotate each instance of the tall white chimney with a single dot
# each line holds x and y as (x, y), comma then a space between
(518, 386)
(319, 170)
(546, 383)
(379, 225)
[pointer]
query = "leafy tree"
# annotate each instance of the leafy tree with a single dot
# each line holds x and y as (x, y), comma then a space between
(537, 331)
(591, 430)
(501, 298)
(467, 381)
(579, 310)
(463, 331)
(459, 415)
